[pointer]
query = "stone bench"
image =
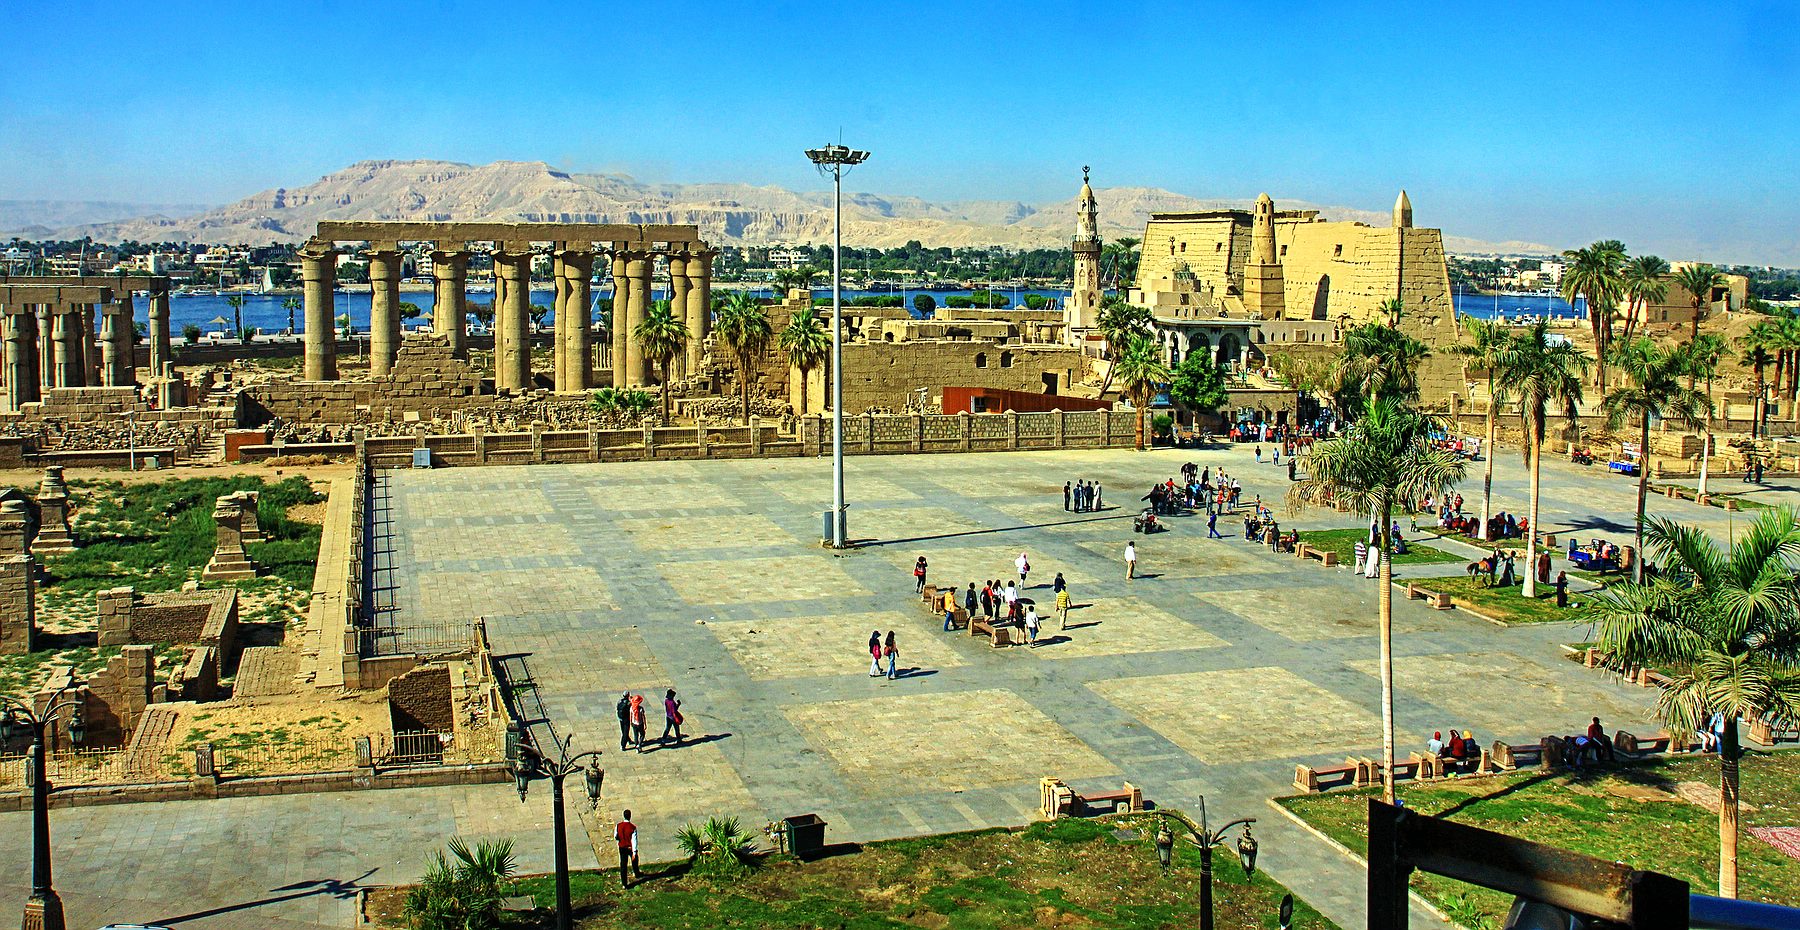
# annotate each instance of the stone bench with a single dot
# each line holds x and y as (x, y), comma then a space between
(1312, 780)
(1056, 800)
(1766, 733)
(1506, 757)
(1326, 557)
(1425, 766)
(1631, 744)
(1000, 633)
(1436, 599)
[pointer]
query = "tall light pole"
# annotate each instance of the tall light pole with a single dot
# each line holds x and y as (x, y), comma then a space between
(527, 763)
(834, 159)
(43, 910)
(1206, 838)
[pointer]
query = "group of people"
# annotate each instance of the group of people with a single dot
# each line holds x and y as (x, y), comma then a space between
(880, 650)
(631, 720)
(1082, 496)
(1593, 745)
(1459, 754)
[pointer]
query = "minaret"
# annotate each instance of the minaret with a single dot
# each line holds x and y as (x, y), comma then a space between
(1263, 283)
(1403, 212)
(1084, 299)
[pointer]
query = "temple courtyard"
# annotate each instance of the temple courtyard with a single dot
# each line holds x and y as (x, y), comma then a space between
(1215, 671)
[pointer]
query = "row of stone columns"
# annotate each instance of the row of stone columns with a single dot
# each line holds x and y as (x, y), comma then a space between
(632, 267)
(51, 346)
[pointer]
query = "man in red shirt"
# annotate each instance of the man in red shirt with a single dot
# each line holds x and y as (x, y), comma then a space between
(626, 834)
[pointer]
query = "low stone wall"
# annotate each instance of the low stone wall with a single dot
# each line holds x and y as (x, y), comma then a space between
(424, 776)
(188, 618)
(196, 680)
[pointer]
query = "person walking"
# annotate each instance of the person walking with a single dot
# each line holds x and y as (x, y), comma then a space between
(1562, 590)
(1061, 588)
(1023, 564)
(1290, 468)
(1259, 455)
(1066, 490)
(987, 600)
(1031, 625)
(672, 718)
(969, 600)
(1362, 552)
(893, 655)
(1130, 560)
(1012, 602)
(624, 721)
(625, 833)
(637, 721)
(1277, 456)
(919, 576)
(1212, 525)
(875, 654)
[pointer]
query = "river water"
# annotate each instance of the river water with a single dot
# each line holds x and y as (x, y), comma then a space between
(267, 313)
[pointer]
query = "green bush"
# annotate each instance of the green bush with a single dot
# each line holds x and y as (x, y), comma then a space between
(463, 894)
(719, 848)
(1162, 424)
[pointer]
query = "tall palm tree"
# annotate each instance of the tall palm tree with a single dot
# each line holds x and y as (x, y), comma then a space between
(663, 336)
(1756, 345)
(1652, 391)
(1141, 366)
(290, 304)
(1118, 323)
(1121, 258)
(1596, 273)
(1381, 361)
(1540, 373)
(1699, 281)
(1726, 619)
(1484, 348)
(744, 325)
(1704, 354)
(806, 343)
(236, 302)
(1643, 285)
(1386, 458)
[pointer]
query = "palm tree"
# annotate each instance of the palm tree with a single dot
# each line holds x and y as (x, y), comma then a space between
(744, 325)
(1386, 458)
(1653, 391)
(1704, 354)
(1756, 345)
(1699, 281)
(1725, 619)
(1596, 274)
(1643, 285)
(290, 304)
(1141, 366)
(1118, 323)
(806, 344)
(1121, 258)
(462, 890)
(663, 336)
(1485, 348)
(1540, 373)
(236, 302)
(1381, 361)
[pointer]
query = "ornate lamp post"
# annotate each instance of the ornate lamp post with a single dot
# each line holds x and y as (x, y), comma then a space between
(43, 910)
(833, 159)
(528, 764)
(1206, 839)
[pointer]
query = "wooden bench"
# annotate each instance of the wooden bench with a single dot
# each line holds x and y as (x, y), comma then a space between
(1311, 780)
(1436, 599)
(1326, 557)
(1056, 800)
(1000, 634)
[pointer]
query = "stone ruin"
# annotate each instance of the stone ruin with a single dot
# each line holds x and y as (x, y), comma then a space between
(205, 621)
(229, 561)
(53, 514)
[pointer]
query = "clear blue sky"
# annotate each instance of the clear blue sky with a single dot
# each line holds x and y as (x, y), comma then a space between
(1674, 128)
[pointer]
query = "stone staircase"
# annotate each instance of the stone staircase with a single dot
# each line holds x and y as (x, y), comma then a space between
(211, 451)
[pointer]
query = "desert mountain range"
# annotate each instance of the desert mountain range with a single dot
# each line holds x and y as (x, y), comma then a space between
(726, 213)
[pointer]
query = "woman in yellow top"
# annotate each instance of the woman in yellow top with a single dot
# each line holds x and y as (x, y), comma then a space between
(1061, 588)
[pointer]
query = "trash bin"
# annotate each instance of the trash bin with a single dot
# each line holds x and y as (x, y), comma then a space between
(805, 835)
(421, 458)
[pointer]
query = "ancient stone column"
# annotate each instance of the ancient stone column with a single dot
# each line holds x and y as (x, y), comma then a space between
(109, 349)
(18, 605)
(21, 374)
(53, 513)
(637, 270)
(559, 323)
(384, 311)
(450, 316)
(678, 298)
(616, 328)
(90, 346)
(159, 331)
(66, 333)
(512, 319)
(699, 304)
(318, 273)
(578, 269)
(229, 561)
(123, 372)
(46, 343)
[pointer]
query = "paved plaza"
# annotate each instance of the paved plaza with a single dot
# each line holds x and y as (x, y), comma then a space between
(1212, 674)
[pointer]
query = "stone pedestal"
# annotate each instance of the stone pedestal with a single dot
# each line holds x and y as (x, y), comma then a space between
(229, 560)
(15, 528)
(44, 912)
(18, 605)
(115, 616)
(53, 514)
(249, 501)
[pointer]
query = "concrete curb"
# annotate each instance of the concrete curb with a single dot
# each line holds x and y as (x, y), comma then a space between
(1361, 862)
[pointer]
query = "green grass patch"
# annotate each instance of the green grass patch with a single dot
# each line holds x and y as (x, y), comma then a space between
(1509, 604)
(1628, 815)
(1343, 542)
(1071, 873)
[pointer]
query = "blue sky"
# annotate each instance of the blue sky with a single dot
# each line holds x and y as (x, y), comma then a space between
(1672, 127)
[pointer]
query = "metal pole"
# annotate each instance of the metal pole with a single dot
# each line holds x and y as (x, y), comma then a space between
(1206, 907)
(43, 898)
(563, 917)
(837, 358)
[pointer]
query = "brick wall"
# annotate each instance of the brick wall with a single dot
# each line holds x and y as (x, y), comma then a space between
(420, 700)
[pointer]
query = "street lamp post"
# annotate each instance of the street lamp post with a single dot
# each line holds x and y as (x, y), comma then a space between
(833, 159)
(1206, 839)
(527, 764)
(43, 910)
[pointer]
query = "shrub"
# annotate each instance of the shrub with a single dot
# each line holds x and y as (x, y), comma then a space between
(461, 891)
(719, 848)
(191, 333)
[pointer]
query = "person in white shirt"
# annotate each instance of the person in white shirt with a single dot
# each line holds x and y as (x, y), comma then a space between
(1130, 561)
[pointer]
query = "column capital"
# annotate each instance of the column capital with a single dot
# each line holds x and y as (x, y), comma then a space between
(316, 248)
